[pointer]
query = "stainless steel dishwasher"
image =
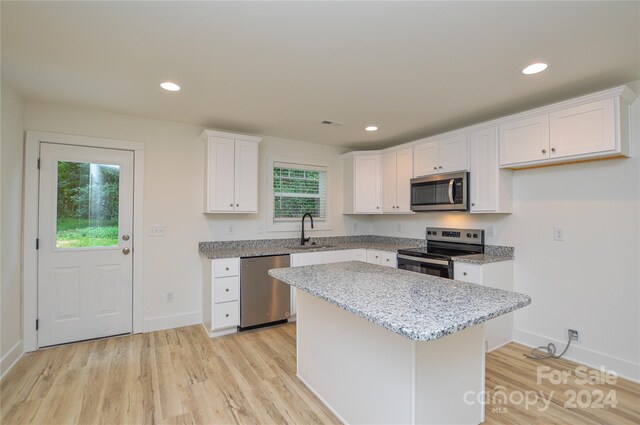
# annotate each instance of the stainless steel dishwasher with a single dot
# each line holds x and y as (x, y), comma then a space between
(263, 299)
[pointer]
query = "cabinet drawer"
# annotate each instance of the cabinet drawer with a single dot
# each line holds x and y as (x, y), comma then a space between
(226, 267)
(468, 273)
(226, 289)
(226, 315)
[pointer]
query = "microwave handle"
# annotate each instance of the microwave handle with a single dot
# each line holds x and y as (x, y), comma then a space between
(451, 182)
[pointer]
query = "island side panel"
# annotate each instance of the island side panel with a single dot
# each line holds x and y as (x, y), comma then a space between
(362, 372)
(450, 377)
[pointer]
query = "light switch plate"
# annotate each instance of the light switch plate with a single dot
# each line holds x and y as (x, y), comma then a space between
(157, 231)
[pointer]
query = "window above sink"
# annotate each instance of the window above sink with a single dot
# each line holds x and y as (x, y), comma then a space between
(297, 186)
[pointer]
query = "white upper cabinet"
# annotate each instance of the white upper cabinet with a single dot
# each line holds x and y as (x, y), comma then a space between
(361, 176)
(524, 140)
(593, 126)
(583, 129)
(490, 186)
(453, 153)
(231, 172)
(445, 154)
(425, 158)
(397, 170)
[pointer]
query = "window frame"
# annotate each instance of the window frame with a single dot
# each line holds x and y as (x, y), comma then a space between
(283, 225)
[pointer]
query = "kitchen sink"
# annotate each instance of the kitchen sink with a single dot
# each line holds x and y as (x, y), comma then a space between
(310, 246)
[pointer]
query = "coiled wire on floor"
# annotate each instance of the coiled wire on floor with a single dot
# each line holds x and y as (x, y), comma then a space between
(547, 352)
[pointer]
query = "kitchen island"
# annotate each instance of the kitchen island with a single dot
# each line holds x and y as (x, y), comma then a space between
(382, 345)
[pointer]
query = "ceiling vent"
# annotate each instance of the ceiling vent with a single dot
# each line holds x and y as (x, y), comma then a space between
(333, 123)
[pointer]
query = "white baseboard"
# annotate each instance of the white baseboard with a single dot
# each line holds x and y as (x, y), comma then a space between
(11, 358)
(623, 368)
(160, 323)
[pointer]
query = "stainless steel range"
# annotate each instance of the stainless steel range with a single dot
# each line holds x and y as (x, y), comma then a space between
(443, 245)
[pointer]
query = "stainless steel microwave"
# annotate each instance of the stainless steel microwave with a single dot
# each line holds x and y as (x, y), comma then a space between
(440, 192)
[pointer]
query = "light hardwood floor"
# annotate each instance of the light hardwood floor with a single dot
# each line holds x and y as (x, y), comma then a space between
(180, 376)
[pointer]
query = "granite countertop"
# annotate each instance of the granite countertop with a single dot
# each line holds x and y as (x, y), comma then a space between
(417, 306)
(482, 258)
(255, 248)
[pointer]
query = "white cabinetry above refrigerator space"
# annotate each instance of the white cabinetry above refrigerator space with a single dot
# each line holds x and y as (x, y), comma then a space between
(231, 172)
(593, 126)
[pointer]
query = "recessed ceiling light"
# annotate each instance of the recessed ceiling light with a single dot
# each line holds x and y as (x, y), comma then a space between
(371, 128)
(534, 68)
(167, 85)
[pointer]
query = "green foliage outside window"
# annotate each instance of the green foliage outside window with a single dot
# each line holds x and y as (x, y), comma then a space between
(298, 191)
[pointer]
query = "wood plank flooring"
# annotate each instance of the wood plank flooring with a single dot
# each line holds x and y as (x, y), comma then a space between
(181, 376)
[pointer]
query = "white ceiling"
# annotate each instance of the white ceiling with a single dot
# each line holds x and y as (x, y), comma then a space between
(412, 68)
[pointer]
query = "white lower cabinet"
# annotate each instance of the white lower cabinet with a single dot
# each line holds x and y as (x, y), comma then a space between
(221, 296)
(498, 331)
(383, 258)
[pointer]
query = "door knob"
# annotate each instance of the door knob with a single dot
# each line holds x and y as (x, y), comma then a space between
(126, 251)
(125, 237)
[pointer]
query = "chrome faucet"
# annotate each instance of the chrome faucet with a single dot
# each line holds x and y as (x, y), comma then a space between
(304, 240)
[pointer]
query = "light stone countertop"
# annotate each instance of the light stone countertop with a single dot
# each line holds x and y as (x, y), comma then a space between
(482, 258)
(263, 247)
(418, 306)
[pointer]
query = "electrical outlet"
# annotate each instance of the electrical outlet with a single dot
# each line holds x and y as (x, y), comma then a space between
(573, 334)
(558, 233)
(486, 346)
(399, 228)
(354, 227)
(491, 231)
(170, 297)
(232, 229)
(157, 231)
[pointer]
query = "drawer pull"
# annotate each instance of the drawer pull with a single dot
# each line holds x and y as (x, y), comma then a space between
(464, 273)
(226, 315)
(227, 268)
(226, 290)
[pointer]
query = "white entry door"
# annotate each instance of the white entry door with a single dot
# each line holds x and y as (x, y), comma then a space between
(85, 263)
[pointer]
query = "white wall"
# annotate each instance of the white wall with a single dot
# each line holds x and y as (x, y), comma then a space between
(589, 282)
(11, 154)
(173, 196)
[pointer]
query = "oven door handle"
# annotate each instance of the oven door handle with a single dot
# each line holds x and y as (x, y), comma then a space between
(451, 182)
(424, 260)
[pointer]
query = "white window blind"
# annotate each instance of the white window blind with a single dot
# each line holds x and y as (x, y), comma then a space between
(299, 189)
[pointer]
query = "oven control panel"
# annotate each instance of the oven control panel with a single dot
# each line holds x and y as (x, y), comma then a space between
(473, 236)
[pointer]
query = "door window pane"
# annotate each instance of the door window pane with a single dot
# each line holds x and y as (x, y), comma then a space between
(87, 213)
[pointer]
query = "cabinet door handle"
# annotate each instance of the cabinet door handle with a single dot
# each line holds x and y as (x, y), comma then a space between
(473, 205)
(377, 208)
(226, 268)
(440, 167)
(230, 205)
(544, 151)
(226, 315)
(464, 273)
(553, 149)
(226, 290)
(435, 168)
(387, 260)
(237, 205)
